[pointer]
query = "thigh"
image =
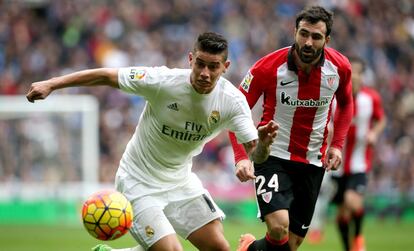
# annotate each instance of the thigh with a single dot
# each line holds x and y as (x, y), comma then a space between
(209, 237)
(189, 215)
(273, 187)
(340, 183)
(151, 226)
(307, 180)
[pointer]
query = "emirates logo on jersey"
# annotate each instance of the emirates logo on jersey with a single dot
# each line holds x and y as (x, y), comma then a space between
(285, 99)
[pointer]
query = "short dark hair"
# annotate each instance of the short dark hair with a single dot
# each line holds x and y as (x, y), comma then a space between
(314, 14)
(357, 59)
(213, 43)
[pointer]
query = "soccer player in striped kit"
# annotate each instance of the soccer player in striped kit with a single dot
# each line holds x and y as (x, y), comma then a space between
(367, 124)
(298, 84)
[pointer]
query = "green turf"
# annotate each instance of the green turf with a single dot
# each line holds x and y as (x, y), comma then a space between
(380, 236)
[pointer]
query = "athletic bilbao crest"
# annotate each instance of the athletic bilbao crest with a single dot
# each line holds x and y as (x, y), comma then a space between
(267, 197)
(331, 81)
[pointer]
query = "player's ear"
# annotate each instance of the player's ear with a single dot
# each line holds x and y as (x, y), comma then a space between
(327, 39)
(190, 58)
(226, 65)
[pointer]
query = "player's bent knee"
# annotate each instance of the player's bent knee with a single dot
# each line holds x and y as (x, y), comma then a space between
(278, 231)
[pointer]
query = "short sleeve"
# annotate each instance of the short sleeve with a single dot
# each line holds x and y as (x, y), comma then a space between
(242, 123)
(143, 81)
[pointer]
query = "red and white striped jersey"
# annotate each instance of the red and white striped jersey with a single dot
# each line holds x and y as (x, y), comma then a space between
(300, 103)
(357, 153)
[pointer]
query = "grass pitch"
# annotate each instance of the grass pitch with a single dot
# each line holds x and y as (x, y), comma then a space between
(380, 236)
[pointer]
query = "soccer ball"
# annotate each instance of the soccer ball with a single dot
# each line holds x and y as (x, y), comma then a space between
(107, 215)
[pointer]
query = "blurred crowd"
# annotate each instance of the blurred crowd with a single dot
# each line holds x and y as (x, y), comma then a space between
(41, 39)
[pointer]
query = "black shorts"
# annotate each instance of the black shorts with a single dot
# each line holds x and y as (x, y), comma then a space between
(284, 184)
(356, 182)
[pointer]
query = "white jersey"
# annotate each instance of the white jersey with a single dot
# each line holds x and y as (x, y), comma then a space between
(176, 123)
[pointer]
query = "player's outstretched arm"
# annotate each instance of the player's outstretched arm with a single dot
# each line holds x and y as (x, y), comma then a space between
(92, 77)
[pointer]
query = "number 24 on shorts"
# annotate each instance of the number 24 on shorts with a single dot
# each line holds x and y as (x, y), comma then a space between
(272, 183)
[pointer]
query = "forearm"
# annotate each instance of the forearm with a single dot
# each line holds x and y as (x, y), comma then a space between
(92, 77)
(260, 153)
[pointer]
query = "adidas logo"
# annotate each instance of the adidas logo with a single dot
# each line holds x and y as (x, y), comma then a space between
(173, 106)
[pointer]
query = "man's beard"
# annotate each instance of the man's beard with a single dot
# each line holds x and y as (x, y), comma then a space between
(307, 59)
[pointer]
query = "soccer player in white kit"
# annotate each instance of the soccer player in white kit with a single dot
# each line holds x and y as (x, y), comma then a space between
(185, 109)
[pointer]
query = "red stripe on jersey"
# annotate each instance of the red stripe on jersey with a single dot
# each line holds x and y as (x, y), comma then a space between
(309, 88)
(349, 146)
(350, 143)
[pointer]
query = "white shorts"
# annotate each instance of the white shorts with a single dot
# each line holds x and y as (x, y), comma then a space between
(156, 215)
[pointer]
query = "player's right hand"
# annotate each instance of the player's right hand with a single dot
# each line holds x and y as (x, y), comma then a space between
(38, 90)
(245, 170)
(267, 133)
(333, 159)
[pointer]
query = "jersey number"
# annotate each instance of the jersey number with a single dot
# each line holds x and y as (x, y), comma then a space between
(261, 180)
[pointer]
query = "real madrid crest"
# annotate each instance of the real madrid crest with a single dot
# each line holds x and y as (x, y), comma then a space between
(214, 117)
(149, 231)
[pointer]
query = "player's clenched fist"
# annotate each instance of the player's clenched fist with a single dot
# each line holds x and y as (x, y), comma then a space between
(39, 90)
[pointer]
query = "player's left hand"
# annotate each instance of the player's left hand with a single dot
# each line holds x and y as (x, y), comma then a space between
(267, 133)
(333, 159)
(245, 170)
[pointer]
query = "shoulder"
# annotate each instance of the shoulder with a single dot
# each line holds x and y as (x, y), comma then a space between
(229, 91)
(170, 76)
(337, 58)
(172, 72)
(161, 70)
(272, 60)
